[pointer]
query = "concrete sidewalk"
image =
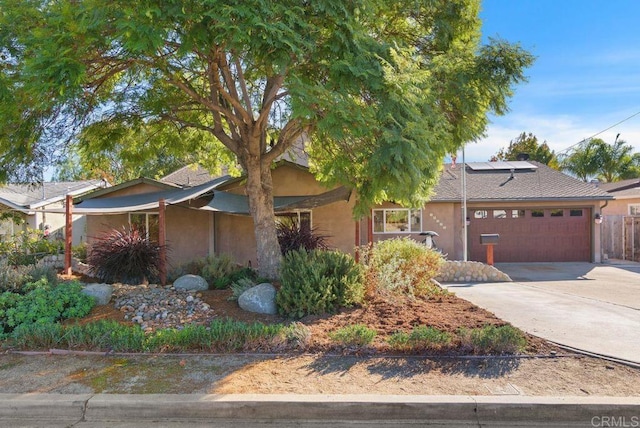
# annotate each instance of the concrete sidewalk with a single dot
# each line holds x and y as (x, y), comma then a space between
(590, 307)
(103, 410)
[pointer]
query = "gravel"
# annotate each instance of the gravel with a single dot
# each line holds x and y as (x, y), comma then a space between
(153, 306)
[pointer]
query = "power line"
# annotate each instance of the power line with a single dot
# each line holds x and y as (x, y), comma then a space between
(598, 133)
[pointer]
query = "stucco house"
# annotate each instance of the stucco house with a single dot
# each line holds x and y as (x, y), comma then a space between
(212, 217)
(540, 214)
(41, 206)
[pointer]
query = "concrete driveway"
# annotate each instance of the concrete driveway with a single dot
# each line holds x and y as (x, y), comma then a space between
(591, 307)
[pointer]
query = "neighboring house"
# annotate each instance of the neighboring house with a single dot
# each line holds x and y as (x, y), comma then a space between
(41, 206)
(626, 195)
(621, 226)
(539, 213)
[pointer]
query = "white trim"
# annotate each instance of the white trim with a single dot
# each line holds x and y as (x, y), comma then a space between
(636, 205)
(384, 221)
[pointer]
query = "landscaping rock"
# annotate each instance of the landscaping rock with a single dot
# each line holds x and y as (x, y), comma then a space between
(260, 299)
(191, 282)
(459, 271)
(101, 292)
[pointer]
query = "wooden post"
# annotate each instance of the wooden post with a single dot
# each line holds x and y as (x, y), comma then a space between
(162, 242)
(490, 254)
(68, 238)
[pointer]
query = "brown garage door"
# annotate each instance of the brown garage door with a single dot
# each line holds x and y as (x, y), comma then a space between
(532, 235)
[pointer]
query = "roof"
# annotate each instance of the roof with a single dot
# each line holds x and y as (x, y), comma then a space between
(188, 176)
(126, 185)
(535, 182)
(617, 186)
(26, 197)
(232, 203)
(144, 201)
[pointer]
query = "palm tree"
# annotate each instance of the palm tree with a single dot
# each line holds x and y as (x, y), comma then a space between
(582, 160)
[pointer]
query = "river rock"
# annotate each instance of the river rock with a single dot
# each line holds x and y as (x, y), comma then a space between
(260, 299)
(101, 292)
(191, 282)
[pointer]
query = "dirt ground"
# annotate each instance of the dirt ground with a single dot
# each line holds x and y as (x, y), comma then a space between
(325, 368)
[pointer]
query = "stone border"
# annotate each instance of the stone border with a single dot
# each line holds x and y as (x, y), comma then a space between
(459, 271)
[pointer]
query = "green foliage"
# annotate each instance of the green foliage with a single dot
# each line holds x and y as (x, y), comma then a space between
(595, 158)
(293, 237)
(315, 282)
(527, 144)
(420, 338)
(296, 334)
(240, 286)
(401, 266)
(353, 335)
(80, 252)
(14, 279)
(27, 247)
(384, 89)
(493, 340)
(219, 336)
(124, 255)
(43, 303)
(219, 271)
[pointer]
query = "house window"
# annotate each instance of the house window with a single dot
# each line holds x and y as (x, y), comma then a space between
(478, 214)
(634, 209)
(557, 212)
(575, 213)
(517, 213)
(300, 218)
(397, 220)
(537, 213)
(499, 213)
(146, 223)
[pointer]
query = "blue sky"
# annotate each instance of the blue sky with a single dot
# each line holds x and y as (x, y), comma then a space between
(586, 77)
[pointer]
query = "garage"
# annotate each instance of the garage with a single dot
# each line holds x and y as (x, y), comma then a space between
(532, 234)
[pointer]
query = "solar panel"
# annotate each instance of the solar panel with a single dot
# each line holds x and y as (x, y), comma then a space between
(500, 165)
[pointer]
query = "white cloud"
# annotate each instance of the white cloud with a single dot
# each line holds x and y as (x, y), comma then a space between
(559, 131)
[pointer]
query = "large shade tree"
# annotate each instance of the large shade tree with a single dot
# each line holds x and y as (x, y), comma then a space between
(381, 90)
(527, 144)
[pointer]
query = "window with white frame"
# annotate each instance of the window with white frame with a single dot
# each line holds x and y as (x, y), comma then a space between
(146, 223)
(397, 220)
(300, 218)
(634, 209)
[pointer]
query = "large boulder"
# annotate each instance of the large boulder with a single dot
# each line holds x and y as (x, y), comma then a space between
(260, 299)
(101, 292)
(191, 282)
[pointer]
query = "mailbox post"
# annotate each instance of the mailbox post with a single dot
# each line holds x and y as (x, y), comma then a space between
(489, 240)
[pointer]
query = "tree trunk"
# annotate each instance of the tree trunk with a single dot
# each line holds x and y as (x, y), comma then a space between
(260, 192)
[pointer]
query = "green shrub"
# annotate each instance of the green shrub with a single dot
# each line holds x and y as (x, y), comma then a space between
(27, 247)
(401, 266)
(80, 252)
(44, 303)
(353, 335)
(219, 271)
(14, 279)
(493, 340)
(318, 282)
(296, 334)
(293, 237)
(239, 287)
(421, 337)
(124, 255)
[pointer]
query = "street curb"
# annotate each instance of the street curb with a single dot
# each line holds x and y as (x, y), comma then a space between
(374, 409)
